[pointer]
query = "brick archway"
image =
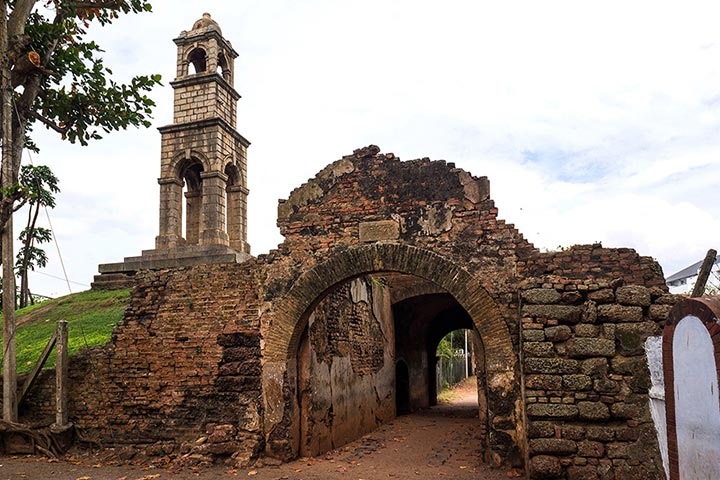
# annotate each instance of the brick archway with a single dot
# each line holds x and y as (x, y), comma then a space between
(288, 319)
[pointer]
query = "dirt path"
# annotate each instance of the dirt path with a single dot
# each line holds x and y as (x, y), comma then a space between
(442, 442)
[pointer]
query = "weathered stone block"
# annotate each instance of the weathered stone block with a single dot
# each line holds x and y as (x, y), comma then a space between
(545, 467)
(604, 295)
(533, 335)
(552, 410)
(551, 365)
(633, 295)
(584, 330)
(600, 433)
(630, 338)
(582, 472)
(540, 429)
(561, 313)
(617, 450)
(669, 299)
(606, 386)
(577, 382)
(573, 432)
(558, 446)
(659, 312)
(619, 313)
(543, 382)
(538, 349)
(591, 448)
(559, 333)
(593, 411)
(541, 296)
(590, 347)
(571, 298)
(380, 230)
(630, 411)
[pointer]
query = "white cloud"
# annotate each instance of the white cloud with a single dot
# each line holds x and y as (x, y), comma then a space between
(600, 121)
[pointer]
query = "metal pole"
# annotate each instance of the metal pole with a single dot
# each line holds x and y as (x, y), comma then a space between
(466, 355)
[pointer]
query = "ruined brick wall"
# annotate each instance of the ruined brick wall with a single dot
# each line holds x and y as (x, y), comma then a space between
(183, 364)
(585, 373)
(372, 199)
(346, 366)
(213, 351)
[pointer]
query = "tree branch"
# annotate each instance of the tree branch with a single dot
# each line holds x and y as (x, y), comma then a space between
(18, 17)
(20, 204)
(49, 123)
(110, 5)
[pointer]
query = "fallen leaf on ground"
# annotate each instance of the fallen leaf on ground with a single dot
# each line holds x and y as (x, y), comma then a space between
(252, 472)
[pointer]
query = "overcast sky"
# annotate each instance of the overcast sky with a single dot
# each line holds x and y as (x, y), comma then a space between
(595, 121)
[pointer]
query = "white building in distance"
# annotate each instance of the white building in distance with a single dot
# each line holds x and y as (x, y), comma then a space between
(684, 280)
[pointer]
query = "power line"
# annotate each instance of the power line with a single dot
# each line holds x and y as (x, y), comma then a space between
(60, 278)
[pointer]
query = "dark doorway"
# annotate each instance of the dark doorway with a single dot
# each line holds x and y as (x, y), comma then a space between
(402, 388)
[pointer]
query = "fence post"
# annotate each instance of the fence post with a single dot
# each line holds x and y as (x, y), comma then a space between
(61, 370)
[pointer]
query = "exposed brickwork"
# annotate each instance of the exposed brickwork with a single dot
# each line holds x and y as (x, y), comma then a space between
(215, 348)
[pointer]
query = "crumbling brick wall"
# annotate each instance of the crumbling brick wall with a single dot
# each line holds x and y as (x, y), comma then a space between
(212, 351)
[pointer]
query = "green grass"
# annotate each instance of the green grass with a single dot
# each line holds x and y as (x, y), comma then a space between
(91, 316)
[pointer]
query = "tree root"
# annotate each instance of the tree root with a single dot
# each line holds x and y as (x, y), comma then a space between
(43, 440)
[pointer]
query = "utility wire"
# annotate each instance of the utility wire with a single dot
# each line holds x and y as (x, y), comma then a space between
(47, 214)
(60, 278)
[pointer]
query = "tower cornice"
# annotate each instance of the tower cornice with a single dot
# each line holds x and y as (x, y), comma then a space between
(201, 78)
(205, 123)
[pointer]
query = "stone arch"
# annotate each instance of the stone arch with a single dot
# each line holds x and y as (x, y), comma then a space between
(289, 321)
(181, 162)
(283, 337)
(233, 173)
(223, 67)
(197, 57)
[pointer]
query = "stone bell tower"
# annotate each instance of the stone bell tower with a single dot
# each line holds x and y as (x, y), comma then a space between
(203, 158)
(203, 164)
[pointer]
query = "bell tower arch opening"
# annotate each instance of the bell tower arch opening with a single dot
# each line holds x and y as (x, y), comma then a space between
(197, 61)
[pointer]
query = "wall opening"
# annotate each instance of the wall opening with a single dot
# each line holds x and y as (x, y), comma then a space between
(197, 61)
(405, 274)
(402, 388)
(191, 204)
(365, 357)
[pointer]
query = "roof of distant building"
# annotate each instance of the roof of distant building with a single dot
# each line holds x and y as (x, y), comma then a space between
(689, 271)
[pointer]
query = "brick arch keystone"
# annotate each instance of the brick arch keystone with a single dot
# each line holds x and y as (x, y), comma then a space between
(308, 289)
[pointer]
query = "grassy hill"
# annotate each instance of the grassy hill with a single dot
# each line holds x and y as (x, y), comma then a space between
(91, 316)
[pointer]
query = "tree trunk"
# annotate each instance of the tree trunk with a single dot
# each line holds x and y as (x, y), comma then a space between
(29, 241)
(10, 410)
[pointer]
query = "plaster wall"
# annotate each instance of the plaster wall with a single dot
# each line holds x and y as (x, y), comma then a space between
(346, 367)
(696, 400)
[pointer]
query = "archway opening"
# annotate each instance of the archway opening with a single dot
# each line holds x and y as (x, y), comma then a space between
(191, 204)
(367, 355)
(197, 61)
(402, 388)
(394, 263)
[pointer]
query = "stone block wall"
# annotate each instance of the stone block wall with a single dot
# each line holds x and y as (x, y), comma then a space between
(585, 379)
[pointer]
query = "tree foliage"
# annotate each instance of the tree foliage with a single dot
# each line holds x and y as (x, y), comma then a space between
(40, 186)
(60, 78)
(51, 73)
